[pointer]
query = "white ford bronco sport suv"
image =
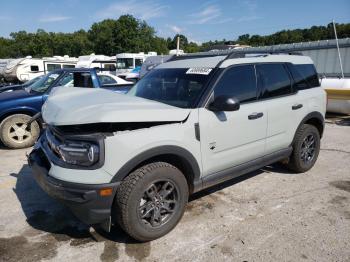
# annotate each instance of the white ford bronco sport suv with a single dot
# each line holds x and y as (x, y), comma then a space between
(192, 122)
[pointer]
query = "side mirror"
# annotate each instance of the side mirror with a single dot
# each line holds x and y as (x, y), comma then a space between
(224, 103)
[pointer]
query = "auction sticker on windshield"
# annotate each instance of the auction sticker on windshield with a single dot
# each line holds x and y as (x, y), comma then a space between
(199, 71)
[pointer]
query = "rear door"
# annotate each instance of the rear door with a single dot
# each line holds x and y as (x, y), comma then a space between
(310, 96)
(232, 138)
(279, 97)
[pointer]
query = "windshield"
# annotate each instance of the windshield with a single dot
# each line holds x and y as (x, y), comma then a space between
(125, 63)
(43, 84)
(178, 87)
(28, 83)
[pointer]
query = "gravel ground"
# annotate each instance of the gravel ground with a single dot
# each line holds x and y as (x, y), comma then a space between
(267, 215)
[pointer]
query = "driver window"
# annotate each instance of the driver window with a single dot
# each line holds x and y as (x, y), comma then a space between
(76, 79)
(67, 80)
(239, 82)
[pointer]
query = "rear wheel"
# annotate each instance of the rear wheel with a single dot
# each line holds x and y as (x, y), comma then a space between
(16, 133)
(306, 148)
(151, 201)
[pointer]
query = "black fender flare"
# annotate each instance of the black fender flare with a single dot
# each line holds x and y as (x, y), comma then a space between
(312, 115)
(159, 151)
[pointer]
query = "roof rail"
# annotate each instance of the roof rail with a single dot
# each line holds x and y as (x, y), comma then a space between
(240, 54)
(229, 54)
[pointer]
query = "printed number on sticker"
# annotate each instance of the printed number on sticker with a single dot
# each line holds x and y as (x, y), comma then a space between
(199, 71)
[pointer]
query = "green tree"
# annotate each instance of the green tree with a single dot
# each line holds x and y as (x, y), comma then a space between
(192, 48)
(103, 35)
(6, 46)
(160, 46)
(128, 34)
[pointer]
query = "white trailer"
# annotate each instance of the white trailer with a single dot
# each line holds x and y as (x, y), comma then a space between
(24, 69)
(97, 61)
(126, 62)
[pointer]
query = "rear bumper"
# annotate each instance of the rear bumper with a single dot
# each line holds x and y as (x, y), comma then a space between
(84, 200)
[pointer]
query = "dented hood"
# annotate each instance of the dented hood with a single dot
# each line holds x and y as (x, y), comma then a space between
(73, 106)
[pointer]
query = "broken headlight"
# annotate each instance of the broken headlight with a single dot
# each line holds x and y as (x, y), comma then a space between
(79, 153)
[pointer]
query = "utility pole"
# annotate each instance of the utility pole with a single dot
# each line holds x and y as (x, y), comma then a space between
(336, 39)
(177, 46)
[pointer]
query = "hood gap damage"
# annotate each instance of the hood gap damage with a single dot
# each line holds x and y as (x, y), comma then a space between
(112, 127)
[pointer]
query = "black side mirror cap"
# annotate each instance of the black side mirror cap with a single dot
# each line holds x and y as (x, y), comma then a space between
(224, 103)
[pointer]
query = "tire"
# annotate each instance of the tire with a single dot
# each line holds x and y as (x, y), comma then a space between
(303, 157)
(14, 133)
(131, 196)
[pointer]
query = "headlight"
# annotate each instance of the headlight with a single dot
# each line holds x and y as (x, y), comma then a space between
(73, 151)
(79, 153)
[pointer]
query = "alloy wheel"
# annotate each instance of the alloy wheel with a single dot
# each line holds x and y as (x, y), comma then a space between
(308, 147)
(158, 203)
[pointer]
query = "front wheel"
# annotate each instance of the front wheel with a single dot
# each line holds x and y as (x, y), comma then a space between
(306, 148)
(151, 201)
(16, 133)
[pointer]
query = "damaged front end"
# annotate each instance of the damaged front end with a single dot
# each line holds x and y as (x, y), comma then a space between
(89, 135)
(82, 146)
(80, 150)
(75, 155)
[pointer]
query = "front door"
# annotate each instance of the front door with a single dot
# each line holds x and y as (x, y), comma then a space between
(232, 138)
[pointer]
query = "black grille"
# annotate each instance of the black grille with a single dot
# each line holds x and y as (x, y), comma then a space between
(43, 159)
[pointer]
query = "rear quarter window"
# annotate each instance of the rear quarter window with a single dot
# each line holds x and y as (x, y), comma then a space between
(305, 76)
(274, 79)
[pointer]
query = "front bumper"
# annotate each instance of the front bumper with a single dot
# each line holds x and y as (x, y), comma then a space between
(84, 200)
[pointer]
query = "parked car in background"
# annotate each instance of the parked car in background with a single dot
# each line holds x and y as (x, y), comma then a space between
(132, 76)
(108, 80)
(10, 88)
(18, 106)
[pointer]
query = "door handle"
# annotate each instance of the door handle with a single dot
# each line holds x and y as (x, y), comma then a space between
(297, 106)
(255, 115)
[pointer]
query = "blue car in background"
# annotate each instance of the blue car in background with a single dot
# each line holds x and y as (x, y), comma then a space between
(17, 106)
(9, 88)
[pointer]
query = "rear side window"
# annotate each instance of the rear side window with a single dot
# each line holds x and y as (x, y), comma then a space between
(305, 76)
(68, 66)
(110, 67)
(138, 62)
(52, 67)
(274, 79)
(238, 82)
(34, 68)
(106, 80)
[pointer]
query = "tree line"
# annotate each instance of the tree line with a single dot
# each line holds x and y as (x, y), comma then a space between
(128, 34)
